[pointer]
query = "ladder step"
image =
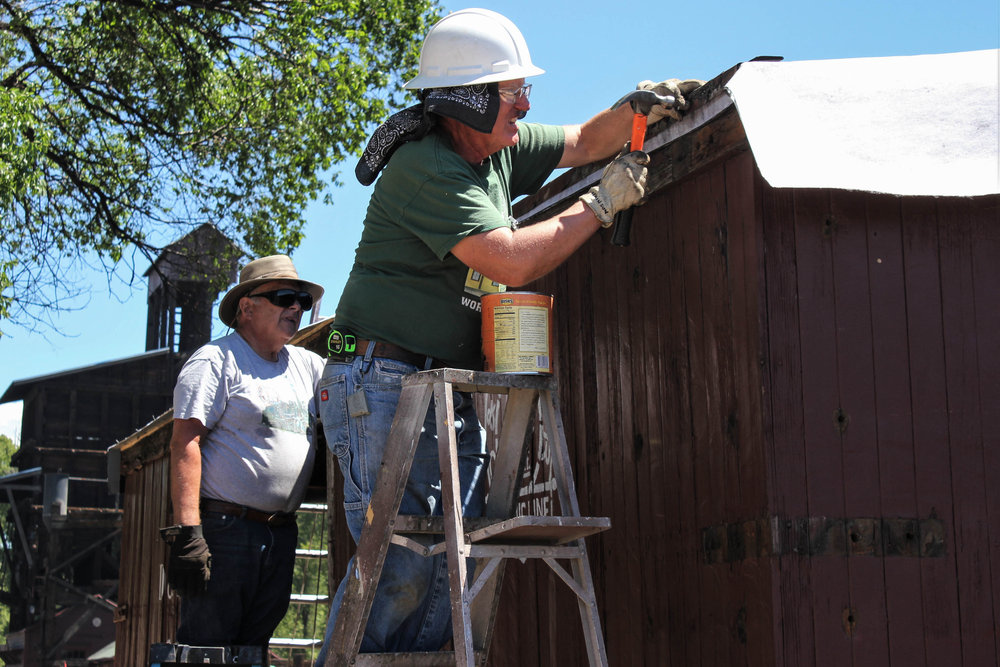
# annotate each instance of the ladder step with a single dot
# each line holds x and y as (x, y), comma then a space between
(541, 529)
(295, 643)
(311, 553)
(300, 598)
(446, 658)
(516, 530)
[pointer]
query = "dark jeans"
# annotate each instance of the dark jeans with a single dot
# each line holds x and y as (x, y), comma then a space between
(251, 581)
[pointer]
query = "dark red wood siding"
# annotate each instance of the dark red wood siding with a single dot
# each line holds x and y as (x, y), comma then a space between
(881, 311)
(783, 400)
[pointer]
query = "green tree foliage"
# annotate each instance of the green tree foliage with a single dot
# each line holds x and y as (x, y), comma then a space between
(7, 449)
(126, 123)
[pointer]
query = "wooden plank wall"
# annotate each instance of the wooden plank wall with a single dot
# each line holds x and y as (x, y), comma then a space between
(882, 378)
(782, 399)
(88, 409)
(755, 391)
(657, 353)
(144, 616)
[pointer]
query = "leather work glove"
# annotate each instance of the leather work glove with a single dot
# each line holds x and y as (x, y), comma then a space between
(190, 564)
(623, 185)
(674, 87)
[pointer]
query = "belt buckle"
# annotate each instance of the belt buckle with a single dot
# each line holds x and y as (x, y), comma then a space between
(277, 519)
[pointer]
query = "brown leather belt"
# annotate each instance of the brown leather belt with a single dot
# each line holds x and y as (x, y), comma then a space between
(270, 518)
(390, 351)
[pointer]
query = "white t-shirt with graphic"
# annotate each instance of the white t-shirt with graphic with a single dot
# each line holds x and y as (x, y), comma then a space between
(261, 420)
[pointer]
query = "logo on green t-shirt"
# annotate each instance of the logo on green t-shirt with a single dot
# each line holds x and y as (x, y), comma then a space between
(477, 284)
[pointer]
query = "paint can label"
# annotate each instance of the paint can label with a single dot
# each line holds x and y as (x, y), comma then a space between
(517, 332)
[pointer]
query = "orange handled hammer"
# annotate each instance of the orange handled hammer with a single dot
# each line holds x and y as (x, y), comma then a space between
(642, 102)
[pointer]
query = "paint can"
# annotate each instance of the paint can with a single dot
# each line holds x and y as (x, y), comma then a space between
(517, 332)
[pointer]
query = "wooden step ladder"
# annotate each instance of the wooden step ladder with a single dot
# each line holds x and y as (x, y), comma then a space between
(497, 536)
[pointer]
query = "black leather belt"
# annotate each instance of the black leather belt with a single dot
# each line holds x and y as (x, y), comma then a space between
(390, 351)
(270, 518)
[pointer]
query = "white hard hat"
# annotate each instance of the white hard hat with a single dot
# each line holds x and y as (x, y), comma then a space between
(472, 46)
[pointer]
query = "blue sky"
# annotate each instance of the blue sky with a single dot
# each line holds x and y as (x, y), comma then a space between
(593, 52)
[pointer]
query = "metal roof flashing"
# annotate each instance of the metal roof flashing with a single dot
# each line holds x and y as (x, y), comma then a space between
(706, 103)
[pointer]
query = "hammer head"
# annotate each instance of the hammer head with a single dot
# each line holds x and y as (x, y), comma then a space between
(643, 101)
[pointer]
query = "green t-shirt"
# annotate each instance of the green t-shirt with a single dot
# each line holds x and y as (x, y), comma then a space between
(406, 287)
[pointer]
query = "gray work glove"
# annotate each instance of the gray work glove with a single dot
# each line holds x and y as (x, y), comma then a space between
(674, 87)
(190, 564)
(623, 185)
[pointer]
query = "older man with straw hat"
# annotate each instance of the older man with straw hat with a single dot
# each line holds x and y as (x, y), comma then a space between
(241, 455)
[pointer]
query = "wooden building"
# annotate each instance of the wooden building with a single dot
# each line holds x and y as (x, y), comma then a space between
(780, 393)
(783, 397)
(63, 552)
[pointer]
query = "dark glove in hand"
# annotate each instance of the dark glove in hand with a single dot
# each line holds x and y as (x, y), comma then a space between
(190, 565)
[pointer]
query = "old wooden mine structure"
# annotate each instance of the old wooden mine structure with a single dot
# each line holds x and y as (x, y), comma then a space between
(64, 549)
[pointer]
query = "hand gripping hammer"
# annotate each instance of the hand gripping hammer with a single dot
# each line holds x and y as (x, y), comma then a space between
(642, 102)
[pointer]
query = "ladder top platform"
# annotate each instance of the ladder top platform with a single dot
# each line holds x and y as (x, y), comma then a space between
(481, 381)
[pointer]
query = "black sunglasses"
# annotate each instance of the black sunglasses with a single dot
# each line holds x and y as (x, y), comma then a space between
(284, 298)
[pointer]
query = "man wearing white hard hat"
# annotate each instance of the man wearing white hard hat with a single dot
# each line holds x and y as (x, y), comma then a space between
(438, 234)
(241, 454)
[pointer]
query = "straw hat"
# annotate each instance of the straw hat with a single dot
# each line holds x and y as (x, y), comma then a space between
(257, 272)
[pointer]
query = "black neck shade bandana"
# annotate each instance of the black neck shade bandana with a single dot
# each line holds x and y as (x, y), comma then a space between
(476, 106)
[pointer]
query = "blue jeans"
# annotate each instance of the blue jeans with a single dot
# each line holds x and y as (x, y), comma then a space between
(411, 610)
(249, 588)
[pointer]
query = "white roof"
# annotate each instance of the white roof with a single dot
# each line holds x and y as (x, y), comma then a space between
(908, 125)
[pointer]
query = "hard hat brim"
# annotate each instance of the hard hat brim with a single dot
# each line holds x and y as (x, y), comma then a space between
(448, 80)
